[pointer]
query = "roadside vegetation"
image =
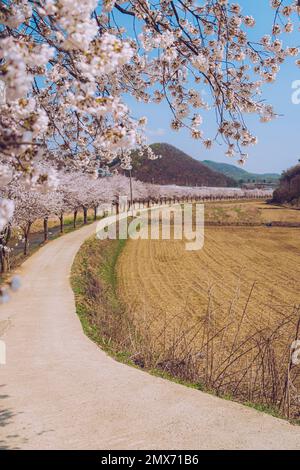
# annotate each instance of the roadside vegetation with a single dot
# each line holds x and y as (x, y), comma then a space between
(94, 282)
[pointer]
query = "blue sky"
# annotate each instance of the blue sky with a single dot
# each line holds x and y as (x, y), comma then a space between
(278, 146)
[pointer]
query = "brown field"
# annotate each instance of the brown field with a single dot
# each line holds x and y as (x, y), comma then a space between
(161, 275)
(229, 312)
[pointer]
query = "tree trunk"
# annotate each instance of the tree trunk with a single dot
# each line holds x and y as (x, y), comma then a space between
(85, 215)
(61, 222)
(95, 212)
(26, 237)
(25, 244)
(46, 233)
(2, 260)
(74, 218)
(5, 255)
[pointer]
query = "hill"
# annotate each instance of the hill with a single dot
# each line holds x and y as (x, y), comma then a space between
(176, 167)
(240, 175)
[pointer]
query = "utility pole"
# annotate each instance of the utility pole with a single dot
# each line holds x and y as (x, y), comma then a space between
(131, 194)
(130, 182)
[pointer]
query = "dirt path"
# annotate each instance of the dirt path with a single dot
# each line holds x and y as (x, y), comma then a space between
(59, 390)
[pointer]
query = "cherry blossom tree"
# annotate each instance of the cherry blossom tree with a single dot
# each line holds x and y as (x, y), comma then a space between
(51, 204)
(27, 209)
(67, 65)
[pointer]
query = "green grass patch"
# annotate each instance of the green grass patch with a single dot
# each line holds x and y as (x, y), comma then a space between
(264, 409)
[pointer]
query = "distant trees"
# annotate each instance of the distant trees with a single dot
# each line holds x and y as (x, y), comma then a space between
(289, 188)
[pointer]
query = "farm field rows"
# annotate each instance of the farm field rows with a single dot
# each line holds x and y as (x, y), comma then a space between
(161, 276)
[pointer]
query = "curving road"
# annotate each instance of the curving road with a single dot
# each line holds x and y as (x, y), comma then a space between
(59, 390)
